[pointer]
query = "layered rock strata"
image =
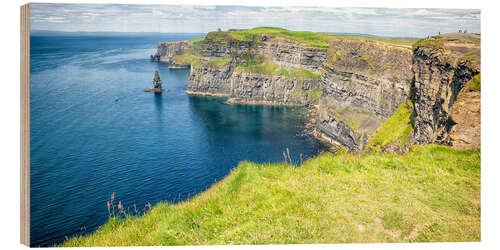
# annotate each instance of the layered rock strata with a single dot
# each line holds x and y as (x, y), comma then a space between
(442, 66)
(363, 83)
(233, 77)
(167, 51)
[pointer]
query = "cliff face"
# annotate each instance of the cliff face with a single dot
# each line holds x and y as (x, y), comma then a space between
(267, 70)
(363, 83)
(249, 87)
(291, 54)
(209, 79)
(465, 117)
(357, 84)
(167, 51)
(442, 66)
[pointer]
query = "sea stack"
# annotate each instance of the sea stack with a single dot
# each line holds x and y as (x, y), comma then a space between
(156, 84)
(156, 81)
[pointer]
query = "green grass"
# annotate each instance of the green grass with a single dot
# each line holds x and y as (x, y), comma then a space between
(394, 40)
(259, 66)
(430, 194)
(197, 40)
(218, 62)
(318, 40)
(299, 72)
(315, 94)
(471, 53)
(263, 66)
(475, 83)
(310, 96)
(187, 58)
(435, 43)
(395, 129)
(474, 55)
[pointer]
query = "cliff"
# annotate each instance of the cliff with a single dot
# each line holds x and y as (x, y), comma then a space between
(442, 66)
(260, 69)
(363, 83)
(465, 116)
(167, 52)
(356, 83)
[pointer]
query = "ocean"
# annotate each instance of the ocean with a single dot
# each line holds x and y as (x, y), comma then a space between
(94, 132)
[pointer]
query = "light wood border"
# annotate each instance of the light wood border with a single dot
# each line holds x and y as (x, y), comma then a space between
(25, 124)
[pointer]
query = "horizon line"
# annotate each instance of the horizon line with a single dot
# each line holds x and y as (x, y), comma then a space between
(205, 33)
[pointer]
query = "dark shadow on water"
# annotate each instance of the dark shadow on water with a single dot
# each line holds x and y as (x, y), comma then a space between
(159, 103)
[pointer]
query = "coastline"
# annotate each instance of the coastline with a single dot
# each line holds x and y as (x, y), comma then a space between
(266, 103)
(310, 129)
(195, 93)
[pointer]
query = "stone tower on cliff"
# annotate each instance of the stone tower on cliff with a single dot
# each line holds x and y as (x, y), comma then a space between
(156, 80)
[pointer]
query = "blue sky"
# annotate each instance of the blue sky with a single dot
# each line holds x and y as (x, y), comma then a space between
(202, 19)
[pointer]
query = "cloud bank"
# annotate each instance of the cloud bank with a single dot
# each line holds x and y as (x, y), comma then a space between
(203, 19)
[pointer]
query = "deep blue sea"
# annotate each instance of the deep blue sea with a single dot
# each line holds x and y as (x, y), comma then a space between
(94, 132)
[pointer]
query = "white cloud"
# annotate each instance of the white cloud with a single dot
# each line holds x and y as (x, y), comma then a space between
(202, 19)
(53, 19)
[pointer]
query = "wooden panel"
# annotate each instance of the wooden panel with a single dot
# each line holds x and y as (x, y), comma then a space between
(25, 124)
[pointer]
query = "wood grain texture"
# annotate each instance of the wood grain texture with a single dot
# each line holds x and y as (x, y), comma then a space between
(25, 124)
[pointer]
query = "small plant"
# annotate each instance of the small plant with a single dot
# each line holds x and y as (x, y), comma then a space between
(123, 213)
(475, 82)
(288, 159)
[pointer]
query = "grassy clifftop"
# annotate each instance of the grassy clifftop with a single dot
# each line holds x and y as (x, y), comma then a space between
(306, 37)
(431, 193)
(249, 38)
(318, 40)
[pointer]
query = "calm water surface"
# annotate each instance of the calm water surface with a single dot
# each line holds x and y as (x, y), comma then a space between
(94, 132)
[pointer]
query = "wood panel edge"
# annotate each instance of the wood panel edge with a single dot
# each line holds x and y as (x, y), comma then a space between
(25, 126)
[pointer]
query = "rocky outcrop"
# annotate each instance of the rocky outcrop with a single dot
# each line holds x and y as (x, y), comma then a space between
(157, 86)
(167, 51)
(442, 66)
(465, 117)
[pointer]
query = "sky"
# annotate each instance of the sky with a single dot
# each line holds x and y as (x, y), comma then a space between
(202, 19)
